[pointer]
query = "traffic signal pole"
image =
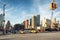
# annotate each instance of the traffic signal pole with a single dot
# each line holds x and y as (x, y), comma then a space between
(53, 6)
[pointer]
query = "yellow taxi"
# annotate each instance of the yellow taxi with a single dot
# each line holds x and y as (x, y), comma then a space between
(33, 31)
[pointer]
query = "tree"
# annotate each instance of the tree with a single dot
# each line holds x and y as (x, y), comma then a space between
(18, 27)
(8, 26)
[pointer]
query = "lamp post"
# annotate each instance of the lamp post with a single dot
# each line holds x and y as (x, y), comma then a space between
(53, 6)
(3, 21)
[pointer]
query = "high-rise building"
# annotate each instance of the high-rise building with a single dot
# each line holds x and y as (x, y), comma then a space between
(46, 23)
(53, 22)
(59, 25)
(26, 24)
(38, 20)
(35, 21)
(30, 22)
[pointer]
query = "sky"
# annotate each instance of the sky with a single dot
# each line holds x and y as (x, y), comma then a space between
(17, 11)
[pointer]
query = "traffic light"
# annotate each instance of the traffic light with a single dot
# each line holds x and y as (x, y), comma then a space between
(53, 6)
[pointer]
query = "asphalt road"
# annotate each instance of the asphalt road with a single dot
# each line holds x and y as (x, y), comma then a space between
(32, 36)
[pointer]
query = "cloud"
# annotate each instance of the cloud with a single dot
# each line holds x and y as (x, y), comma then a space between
(19, 14)
(45, 11)
(57, 15)
(9, 16)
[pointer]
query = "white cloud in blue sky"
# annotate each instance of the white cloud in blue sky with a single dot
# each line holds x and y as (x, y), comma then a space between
(19, 10)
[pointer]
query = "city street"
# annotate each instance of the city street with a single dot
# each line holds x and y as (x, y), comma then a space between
(32, 36)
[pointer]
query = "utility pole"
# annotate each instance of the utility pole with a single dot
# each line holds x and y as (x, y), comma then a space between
(53, 6)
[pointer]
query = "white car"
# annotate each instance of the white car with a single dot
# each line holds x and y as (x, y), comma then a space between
(21, 32)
